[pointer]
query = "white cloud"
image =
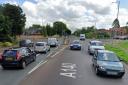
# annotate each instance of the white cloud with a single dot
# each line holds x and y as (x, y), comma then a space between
(75, 13)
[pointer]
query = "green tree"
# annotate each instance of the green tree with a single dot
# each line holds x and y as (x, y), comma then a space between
(116, 23)
(59, 27)
(49, 30)
(44, 31)
(17, 18)
(5, 30)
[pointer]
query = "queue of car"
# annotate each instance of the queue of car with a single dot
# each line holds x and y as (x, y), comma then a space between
(105, 62)
(24, 54)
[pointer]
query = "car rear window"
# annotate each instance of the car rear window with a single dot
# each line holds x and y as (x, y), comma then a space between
(96, 43)
(10, 53)
(39, 44)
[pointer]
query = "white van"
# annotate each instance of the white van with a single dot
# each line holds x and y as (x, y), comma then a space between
(82, 36)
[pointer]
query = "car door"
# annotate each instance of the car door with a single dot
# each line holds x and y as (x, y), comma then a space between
(94, 60)
(29, 55)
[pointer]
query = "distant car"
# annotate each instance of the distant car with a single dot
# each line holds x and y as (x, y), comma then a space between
(95, 45)
(107, 63)
(17, 57)
(26, 43)
(75, 45)
(42, 47)
(52, 42)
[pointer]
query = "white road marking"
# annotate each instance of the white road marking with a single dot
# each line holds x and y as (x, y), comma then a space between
(43, 62)
(69, 74)
(37, 66)
(69, 70)
(58, 52)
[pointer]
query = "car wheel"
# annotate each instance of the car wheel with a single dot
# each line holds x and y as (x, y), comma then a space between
(97, 71)
(4, 67)
(23, 64)
(120, 76)
(34, 58)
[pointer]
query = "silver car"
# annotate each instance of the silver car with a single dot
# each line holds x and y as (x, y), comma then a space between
(42, 47)
(95, 45)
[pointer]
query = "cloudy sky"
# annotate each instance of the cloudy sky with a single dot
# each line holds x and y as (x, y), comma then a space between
(75, 13)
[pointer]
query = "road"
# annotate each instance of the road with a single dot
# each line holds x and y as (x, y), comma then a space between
(13, 76)
(70, 68)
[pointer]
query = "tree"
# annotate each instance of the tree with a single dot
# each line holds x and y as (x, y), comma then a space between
(59, 27)
(17, 18)
(49, 30)
(5, 30)
(116, 23)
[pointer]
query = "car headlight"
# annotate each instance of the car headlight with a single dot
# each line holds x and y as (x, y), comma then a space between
(102, 68)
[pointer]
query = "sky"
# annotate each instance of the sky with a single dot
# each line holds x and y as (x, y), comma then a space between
(75, 13)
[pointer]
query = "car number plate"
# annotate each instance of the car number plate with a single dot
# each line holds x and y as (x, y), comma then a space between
(9, 59)
(112, 73)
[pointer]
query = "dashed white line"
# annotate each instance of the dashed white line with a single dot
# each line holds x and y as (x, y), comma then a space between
(58, 52)
(37, 66)
(43, 62)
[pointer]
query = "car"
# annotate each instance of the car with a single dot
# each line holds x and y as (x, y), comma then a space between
(52, 42)
(95, 45)
(17, 57)
(26, 43)
(107, 63)
(41, 47)
(75, 45)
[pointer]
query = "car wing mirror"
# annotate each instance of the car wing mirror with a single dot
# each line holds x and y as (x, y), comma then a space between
(95, 58)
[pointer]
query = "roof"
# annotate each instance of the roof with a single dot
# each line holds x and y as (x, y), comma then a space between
(95, 41)
(105, 51)
(40, 42)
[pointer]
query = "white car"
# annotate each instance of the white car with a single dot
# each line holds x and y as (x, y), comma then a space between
(42, 47)
(52, 42)
(95, 45)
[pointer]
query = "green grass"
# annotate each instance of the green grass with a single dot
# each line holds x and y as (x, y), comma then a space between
(119, 50)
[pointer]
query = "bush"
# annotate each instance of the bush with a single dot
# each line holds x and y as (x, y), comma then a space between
(7, 44)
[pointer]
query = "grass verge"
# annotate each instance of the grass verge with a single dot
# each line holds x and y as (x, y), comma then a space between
(119, 50)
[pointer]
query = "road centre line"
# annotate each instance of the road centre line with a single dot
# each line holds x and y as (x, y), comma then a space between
(43, 62)
(37, 66)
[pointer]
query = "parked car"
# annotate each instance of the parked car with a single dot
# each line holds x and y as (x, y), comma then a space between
(26, 43)
(107, 63)
(75, 45)
(17, 57)
(95, 45)
(42, 47)
(52, 42)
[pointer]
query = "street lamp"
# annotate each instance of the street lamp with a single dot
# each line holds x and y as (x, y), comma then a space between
(118, 7)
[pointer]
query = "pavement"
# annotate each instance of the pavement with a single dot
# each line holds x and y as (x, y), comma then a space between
(69, 67)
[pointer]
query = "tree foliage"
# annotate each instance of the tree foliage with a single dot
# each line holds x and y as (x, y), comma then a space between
(116, 23)
(17, 18)
(12, 21)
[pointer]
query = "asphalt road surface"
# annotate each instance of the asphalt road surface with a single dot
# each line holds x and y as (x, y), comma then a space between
(12, 76)
(69, 67)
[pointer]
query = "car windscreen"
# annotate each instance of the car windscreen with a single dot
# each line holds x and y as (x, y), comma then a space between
(10, 53)
(96, 44)
(39, 44)
(107, 57)
(76, 42)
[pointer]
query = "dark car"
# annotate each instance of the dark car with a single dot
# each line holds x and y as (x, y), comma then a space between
(107, 63)
(75, 45)
(17, 57)
(26, 43)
